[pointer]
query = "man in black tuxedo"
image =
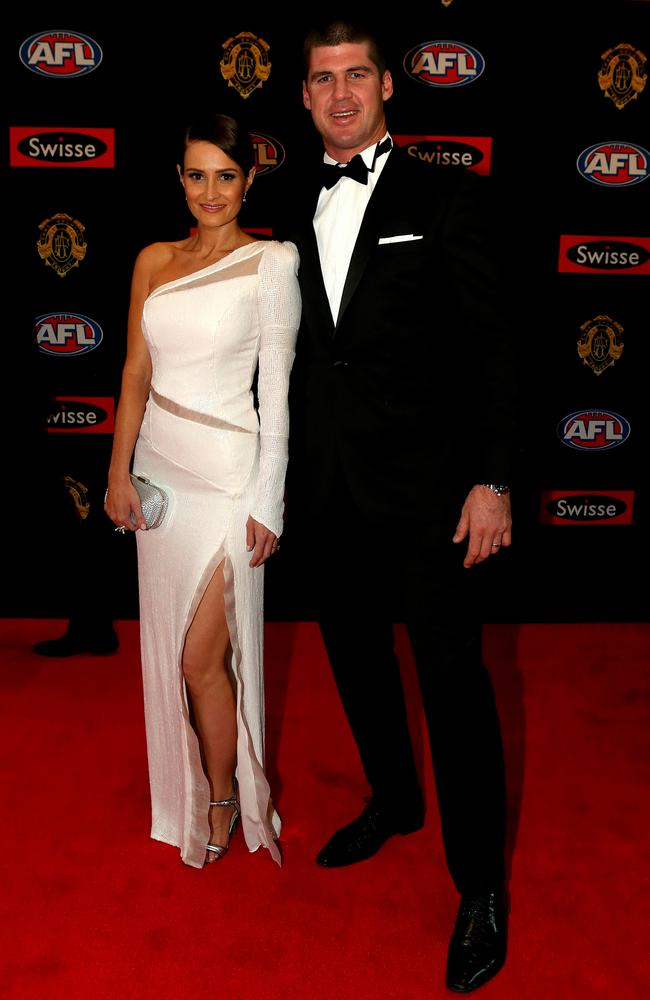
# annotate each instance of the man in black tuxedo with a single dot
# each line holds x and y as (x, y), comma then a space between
(405, 410)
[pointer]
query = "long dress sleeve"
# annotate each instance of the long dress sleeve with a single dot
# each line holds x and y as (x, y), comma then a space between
(279, 317)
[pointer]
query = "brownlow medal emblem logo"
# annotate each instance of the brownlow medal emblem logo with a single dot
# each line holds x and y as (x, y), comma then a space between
(61, 243)
(79, 493)
(622, 76)
(600, 344)
(245, 63)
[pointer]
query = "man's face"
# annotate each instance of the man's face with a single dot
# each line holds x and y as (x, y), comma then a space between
(346, 95)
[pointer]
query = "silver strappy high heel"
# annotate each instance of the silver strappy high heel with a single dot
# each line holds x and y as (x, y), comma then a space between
(217, 848)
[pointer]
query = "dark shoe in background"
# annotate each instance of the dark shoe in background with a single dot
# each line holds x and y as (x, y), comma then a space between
(365, 835)
(477, 949)
(99, 640)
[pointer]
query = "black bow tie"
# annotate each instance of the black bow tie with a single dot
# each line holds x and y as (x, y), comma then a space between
(355, 168)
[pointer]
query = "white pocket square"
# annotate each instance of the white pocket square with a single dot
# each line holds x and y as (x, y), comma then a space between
(405, 238)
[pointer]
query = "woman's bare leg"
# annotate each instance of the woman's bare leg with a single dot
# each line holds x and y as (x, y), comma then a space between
(213, 701)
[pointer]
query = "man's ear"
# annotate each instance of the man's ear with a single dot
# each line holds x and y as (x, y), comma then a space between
(305, 96)
(386, 85)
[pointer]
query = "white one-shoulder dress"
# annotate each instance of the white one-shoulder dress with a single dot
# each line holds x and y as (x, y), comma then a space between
(221, 458)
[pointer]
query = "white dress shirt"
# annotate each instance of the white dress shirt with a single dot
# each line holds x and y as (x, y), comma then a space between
(337, 221)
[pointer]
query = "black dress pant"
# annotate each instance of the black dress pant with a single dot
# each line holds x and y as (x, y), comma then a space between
(368, 569)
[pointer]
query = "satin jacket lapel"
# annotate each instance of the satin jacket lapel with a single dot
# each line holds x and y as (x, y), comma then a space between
(312, 280)
(311, 274)
(367, 238)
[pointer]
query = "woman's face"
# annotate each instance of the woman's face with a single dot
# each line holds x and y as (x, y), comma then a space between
(214, 184)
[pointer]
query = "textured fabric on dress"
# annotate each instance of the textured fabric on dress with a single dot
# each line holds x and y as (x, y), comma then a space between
(206, 333)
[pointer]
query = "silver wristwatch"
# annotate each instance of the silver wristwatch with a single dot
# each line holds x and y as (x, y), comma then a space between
(499, 488)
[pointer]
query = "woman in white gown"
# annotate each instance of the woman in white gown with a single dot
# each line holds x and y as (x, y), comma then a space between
(206, 314)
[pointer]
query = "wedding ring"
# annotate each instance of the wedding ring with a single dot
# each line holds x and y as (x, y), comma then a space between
(496, 545)
(121, 530)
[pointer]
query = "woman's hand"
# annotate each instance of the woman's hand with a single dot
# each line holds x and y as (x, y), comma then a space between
(120, 502)
(260, 541)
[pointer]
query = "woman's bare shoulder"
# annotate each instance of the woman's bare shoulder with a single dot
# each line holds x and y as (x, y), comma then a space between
(157, 255)
(154, 259)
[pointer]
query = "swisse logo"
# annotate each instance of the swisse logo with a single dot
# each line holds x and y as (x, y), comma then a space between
(444, 63)
(587, 507)
(60, 53)
(64, 147)
(82, 415)
(614, 164)
(593, 430)
(604, 254)
(67, 334)
(269, 153)
(468, 151)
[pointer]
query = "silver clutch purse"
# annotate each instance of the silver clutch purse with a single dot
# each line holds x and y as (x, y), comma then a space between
(153, 500)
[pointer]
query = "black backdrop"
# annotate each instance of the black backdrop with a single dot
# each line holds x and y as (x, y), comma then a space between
(538, 104)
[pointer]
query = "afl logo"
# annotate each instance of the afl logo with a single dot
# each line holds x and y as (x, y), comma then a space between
(60, 54)
(593, 430)
(269, 153)
(444, 64)
(614, 164)
(66, 334)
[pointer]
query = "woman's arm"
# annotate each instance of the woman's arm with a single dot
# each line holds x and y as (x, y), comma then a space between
(121, 497)
(279, 311)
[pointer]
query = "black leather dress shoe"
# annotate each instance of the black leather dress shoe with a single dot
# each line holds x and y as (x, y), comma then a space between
(364, 836)
(477, 949)
(71, 644)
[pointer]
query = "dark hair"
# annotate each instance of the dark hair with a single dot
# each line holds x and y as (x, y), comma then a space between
(225, 132)
(342, 33)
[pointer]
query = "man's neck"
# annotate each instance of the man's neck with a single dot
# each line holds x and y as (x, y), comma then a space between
(345, 155)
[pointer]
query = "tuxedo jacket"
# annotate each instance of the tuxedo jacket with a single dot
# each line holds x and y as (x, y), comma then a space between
(410, 394)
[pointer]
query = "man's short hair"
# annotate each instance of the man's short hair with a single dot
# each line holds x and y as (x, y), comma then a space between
(343, 33)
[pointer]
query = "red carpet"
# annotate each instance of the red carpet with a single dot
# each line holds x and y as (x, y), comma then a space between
(92, 908)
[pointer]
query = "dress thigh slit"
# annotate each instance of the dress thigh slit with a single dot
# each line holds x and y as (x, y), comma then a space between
(174, 575)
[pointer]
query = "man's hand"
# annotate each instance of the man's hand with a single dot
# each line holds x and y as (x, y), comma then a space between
(486, 518)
